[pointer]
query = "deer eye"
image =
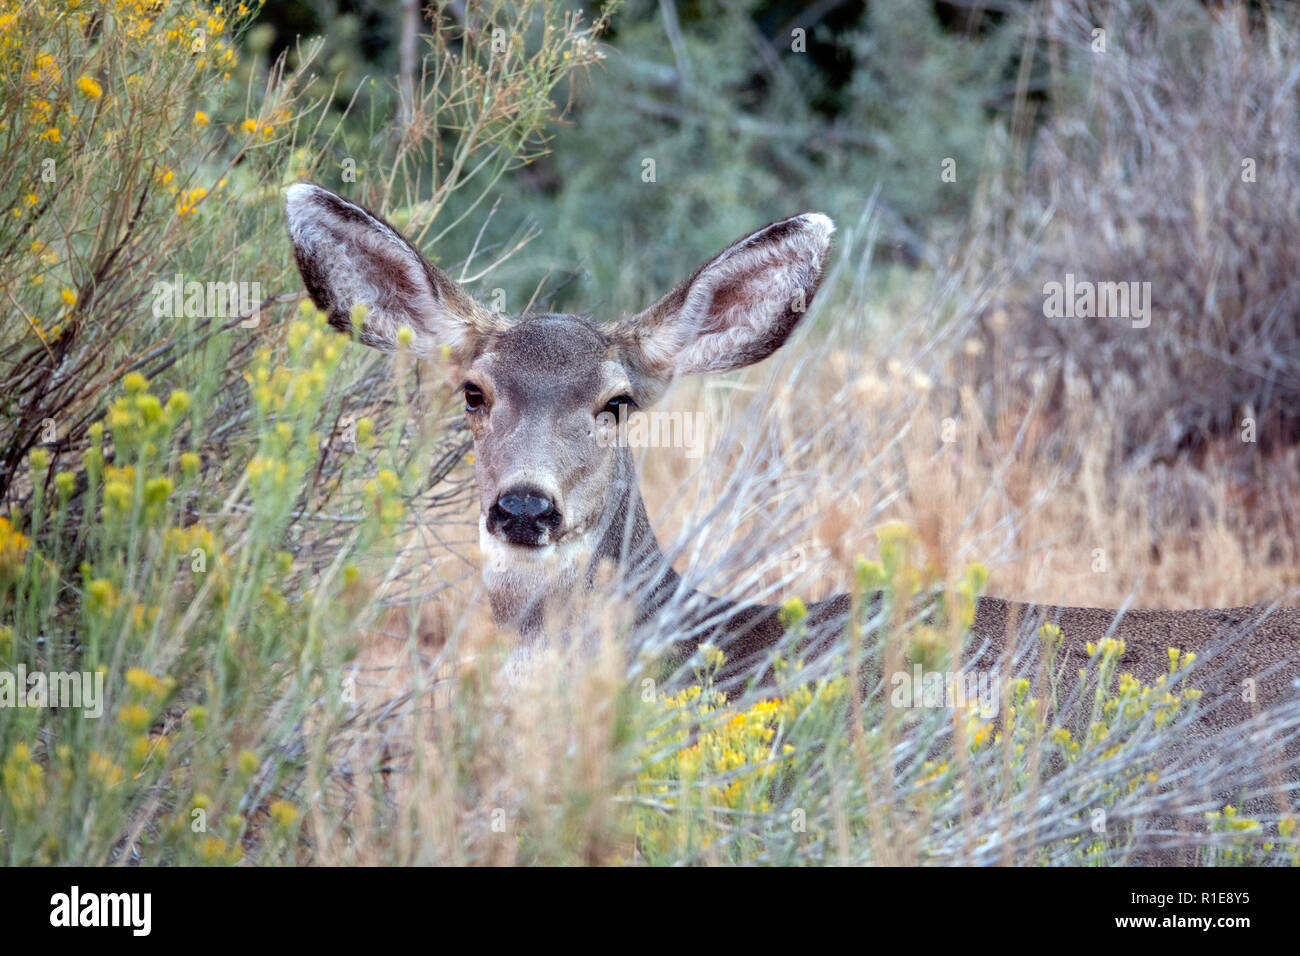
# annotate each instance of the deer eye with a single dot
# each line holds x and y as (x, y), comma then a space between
(473, 397)
(616, 405)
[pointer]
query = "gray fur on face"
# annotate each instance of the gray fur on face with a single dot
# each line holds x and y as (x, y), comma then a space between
(544, 379)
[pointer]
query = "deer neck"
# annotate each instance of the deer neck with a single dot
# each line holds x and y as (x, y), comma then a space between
(745, 632)
(629, 547)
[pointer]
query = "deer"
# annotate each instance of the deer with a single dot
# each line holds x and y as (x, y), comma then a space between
(556, 504)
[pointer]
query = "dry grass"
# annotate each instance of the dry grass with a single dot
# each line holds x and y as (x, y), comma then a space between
(1031, 491)
(1172, 159)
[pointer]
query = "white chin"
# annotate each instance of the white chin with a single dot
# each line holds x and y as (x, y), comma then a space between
(550, 570)
(495, 548)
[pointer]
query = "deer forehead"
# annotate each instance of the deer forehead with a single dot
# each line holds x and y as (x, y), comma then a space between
(556, 361)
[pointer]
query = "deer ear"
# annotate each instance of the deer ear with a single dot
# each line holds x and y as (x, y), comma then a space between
(740, 306)
(349, 256)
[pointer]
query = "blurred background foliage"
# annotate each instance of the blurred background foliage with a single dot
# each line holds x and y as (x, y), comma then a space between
(749, 111)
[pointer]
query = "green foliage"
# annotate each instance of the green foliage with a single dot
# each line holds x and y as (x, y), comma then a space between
(741, 129)
(215, 645)
(204, 503)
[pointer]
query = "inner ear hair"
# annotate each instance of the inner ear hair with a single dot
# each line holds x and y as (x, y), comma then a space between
(349, 256)
(738, 308)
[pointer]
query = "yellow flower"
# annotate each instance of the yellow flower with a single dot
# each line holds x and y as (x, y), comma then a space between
(23, 779)
(101, 595)
(189, 200)
(213, 850)
(124, 473)
(53, 135)
(46, 69)
(248, 763)
(284, 813)
(13, 549)
(200, 118)
(895, 533)
(104, 770)
(117, 496)
(69, 296)
(134, 717)
(792, 613)
(157, 490)
(1108, 647)
(91, 88)
(178, 402)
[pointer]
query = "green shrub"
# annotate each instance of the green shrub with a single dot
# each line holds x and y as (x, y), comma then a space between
(203, 504)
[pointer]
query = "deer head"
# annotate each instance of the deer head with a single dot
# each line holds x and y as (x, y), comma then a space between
(554, 498)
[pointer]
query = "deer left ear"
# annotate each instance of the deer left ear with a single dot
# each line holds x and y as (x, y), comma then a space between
(738, 308)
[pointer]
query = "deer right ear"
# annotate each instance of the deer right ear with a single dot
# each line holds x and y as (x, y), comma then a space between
(348, 256)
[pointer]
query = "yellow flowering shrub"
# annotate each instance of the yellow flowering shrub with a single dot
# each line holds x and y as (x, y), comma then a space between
(794, 776)
(706, 764)
(194, 523)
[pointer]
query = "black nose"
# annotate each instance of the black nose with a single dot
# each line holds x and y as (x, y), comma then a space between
(524, 516)
(520, 506)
